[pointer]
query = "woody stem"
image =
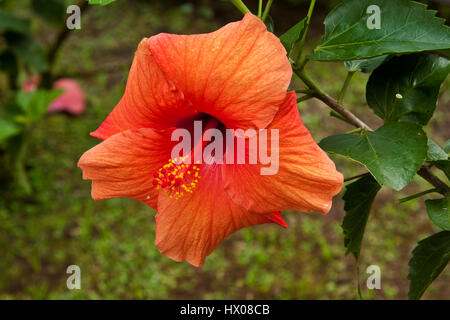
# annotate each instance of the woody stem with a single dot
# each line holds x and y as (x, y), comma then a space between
(328, 100)
(441, 186)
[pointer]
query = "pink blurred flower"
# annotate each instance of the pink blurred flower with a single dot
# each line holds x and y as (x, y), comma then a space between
(72, 100)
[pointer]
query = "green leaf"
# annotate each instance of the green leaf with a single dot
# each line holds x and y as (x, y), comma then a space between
(447, 146)
(293, 35)
(438, 212)
(366, 65)
(429, 259)
(270, 25)
(444, 166)
(101, 2)
(27, 49)
(393, 153)
(435, 153)
(53, 11)
(406, 88)
(11, 23)
(8, 129)
(439, 157)
(358, 198)
(35, 104)
(405, 26)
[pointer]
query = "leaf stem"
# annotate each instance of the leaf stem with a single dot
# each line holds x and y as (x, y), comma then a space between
(357, 130)
(357, 176)
(348, 78)
(260, 8)
(240, 6)
(338, 116)
(359, 294)
(266, 10)
(301, 61)
(305, 91)
(417, 195)
(305, 97)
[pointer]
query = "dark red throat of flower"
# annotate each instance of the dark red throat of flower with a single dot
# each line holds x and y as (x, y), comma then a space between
(181, 175)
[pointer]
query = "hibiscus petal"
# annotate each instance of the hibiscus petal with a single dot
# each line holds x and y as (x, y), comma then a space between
(238, 74)
(191, 227)
(306, 179)
(149, 101)
(123, 165)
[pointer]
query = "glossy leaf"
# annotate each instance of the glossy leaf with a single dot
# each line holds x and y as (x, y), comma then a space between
(439, 212)
(366, 65)
(444, 166)
(406, 88)
(447, 146)
(405, 26)
(358, 202)
(270, 25)
(439, 157)
(393, 153)
(435, 153)
(428, 260)
(293, 35)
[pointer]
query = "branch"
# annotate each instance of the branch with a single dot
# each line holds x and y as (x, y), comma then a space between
(328, 100)
(441, 186)
(63, 34)
(54, 48)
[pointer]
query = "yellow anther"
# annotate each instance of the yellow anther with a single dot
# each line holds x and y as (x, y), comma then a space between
(176, 178)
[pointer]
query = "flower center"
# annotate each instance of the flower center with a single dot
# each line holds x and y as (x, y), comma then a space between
(180, 175)
(177, 178)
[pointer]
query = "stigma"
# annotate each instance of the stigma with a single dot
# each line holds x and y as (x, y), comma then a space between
(177, 178)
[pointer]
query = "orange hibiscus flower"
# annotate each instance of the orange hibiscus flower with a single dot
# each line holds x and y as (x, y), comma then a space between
(233, 78)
